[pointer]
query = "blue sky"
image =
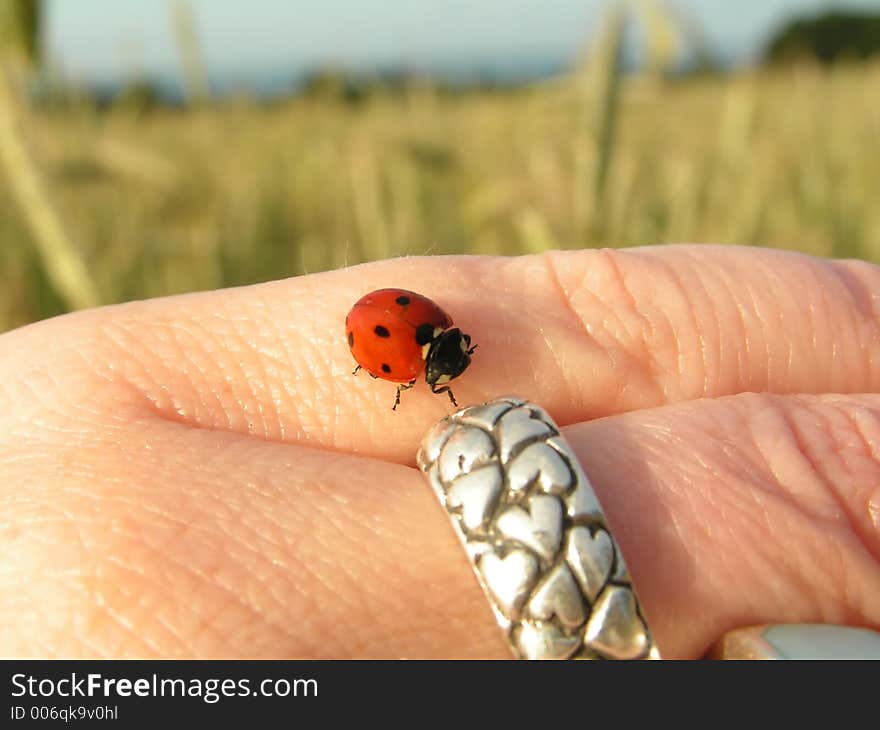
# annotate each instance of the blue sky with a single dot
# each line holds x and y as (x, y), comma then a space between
(112, 40)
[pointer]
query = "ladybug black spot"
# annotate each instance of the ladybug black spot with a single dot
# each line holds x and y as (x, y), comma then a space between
(402, 301)
(351, 339)
(381, 331)
(424, 333)
(386, 368)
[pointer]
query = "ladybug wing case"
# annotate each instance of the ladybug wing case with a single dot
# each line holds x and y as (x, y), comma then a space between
(389, 330)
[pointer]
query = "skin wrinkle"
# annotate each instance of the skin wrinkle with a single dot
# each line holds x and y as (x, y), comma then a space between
(744, 356)
(319, 368)
(863, 295)
(819, 468)
(684, 282)
(92, 600)
(786, 445)
(609, 353)
(320, 553)
(857, 419)
(255, 391)
(865, 301)
(49, 400)
(752, 542)
(586, 289)
(743, 344)
(297, 545)
(254, 385)
(874, 509)
(137, 598)
(116, 335)
(647, 333)
(763, 382)
(275, 363)
(226, 627)
(129, 626)
(147, 600)
(829, 357)
(839, 295)
(689, 488)
(828, 301)
(863, 419)
(565, 300)
(289, 540)
(699, 286)
(696, 283)
(820, 320)
(361, 600)
(805, 447)
(148, 361)
(627, 346)
(786, 301)
(729, 512)
(845, 587)
(208, 347)
(790, 563)
(233, 374)
(692, 326)
(236, 601)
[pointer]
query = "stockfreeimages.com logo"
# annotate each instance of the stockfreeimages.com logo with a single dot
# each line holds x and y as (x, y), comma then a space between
(209, 690)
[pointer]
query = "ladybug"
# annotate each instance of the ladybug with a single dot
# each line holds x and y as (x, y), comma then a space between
(395, 334)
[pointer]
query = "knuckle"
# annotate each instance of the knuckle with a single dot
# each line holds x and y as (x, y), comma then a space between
(640, 315)
(823, 453)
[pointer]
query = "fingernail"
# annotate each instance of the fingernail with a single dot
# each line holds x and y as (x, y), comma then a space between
(798, 641)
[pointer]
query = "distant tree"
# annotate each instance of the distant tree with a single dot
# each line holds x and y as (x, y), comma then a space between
(20, 31)
(827, 38)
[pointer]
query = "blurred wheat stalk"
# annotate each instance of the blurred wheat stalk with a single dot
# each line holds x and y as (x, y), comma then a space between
(195, 78)
(63, 264)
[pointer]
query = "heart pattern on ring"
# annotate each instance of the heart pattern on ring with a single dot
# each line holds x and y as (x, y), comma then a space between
(509, 579)
(539, 462)
(615, 629)
(545, 642)
(558, 596)
(540, 528)
(590, 558)
(476, 494)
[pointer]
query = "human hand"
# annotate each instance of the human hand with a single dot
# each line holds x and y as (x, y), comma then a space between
(199, 476)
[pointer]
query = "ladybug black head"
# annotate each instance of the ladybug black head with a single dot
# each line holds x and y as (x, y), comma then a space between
(448, 357)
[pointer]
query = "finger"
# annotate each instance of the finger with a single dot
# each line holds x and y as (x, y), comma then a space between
(171, 541)
(586, 334)
(157, 539)
(744, 510)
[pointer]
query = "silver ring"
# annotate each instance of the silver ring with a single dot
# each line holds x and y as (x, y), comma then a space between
(535, 534)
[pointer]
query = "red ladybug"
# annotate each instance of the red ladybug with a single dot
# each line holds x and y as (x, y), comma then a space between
(395, 334)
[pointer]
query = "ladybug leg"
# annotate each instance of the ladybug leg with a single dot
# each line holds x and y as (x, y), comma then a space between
(445, 389)
(360, 367)
(467, 339)
(400, 389)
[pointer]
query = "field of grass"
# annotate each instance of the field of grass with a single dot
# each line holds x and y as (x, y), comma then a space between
(165, 201)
